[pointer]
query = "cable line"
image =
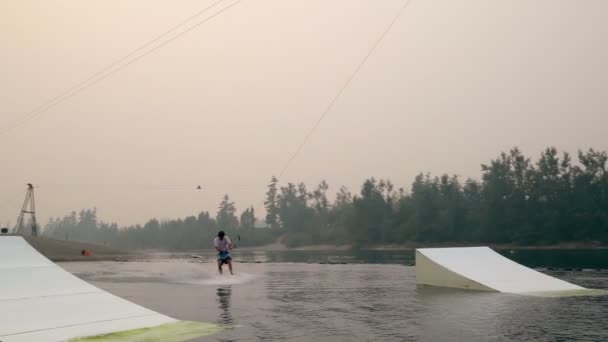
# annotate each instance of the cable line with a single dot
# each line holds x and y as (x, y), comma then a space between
(343, 88)
(95, 78)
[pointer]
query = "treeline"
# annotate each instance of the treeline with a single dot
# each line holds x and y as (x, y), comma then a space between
(193, 232)
(548, 201)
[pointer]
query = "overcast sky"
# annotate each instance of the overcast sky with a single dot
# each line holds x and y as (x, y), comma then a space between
(224, 105)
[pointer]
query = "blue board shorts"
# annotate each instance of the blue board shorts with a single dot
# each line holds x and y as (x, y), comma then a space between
(224, 257)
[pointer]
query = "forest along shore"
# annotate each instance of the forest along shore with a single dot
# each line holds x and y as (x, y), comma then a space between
(553, 202)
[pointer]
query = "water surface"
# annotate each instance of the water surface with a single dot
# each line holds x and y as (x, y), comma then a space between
(355, 296)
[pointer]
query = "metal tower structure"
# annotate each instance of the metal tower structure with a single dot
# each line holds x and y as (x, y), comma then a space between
(31, 203)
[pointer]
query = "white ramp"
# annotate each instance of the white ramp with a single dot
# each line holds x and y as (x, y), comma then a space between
(39, 301)
(480, 268)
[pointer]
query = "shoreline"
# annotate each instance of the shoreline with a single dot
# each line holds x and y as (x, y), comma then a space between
(565, 246)
(70, 251)
(277, 247)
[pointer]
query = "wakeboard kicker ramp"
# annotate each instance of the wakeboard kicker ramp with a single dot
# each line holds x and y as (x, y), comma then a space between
(482, 269)
(40, 301)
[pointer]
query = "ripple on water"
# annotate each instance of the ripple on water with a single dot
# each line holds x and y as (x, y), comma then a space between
(312, 302)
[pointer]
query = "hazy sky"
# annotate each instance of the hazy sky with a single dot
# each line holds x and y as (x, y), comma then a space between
(224, 105)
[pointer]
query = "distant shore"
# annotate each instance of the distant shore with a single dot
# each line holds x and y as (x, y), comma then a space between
(277, 247)
(562, 246)
(64, 251)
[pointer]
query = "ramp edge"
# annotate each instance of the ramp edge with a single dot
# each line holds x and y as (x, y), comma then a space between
(430, 273)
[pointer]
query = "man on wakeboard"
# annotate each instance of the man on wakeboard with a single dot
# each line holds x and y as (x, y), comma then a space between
(223, 245)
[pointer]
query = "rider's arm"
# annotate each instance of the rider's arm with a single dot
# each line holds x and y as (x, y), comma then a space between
(217, 246)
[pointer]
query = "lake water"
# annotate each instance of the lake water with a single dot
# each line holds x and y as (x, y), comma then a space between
(355, 296)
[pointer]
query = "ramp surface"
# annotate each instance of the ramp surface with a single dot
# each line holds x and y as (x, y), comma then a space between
(39, 301)
(480, 268)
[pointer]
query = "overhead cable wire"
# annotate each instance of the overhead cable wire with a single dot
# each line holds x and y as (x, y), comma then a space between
(146, 185)
(117, 62)
(335, 99)
(114, 67)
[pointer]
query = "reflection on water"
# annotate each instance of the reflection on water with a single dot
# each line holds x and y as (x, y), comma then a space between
(223, 297)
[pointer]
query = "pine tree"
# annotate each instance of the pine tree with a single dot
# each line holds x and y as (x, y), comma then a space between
(272, 209)
(226, 215)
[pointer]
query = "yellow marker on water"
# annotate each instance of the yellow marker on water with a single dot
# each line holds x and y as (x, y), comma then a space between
(172, 332)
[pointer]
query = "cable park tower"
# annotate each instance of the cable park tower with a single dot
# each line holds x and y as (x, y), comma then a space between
(29, 207)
